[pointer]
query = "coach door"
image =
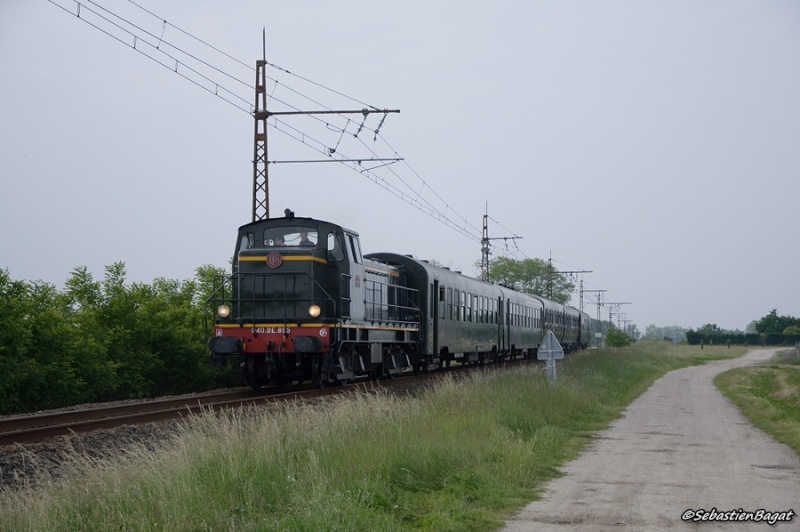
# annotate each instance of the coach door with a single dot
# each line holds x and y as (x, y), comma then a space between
(356, 279)
(503, 329)
(437, 302)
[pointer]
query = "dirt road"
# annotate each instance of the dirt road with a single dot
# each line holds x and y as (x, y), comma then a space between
(680, 446)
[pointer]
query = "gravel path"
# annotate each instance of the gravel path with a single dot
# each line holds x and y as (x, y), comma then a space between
(680, 446)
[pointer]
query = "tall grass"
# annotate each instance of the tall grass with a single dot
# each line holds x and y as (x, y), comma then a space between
(460, 456)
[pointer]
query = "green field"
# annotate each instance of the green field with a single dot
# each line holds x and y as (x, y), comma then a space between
(769, 396)
(458, 455)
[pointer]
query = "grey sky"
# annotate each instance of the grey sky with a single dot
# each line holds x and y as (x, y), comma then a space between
(654, 143)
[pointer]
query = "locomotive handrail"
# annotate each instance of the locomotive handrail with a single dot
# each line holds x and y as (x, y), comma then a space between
(382, 309)
(346, 300)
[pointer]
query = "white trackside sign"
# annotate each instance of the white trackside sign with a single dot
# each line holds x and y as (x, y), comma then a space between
(550, 348)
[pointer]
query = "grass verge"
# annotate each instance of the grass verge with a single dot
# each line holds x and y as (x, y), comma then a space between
(462, 455)
(769, 396)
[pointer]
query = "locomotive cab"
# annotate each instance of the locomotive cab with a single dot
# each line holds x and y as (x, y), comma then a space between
(302, 303)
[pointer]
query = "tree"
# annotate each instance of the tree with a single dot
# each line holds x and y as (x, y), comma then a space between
(617, 338)
(672, 333)
(531, 276)
(774, 324)
(103, 340)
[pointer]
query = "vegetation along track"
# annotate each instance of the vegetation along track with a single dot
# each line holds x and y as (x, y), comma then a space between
(42, 426)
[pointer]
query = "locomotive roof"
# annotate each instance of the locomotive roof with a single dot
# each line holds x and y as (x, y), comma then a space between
(294, 220)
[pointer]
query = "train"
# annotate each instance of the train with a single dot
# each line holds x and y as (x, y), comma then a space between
(303, 304)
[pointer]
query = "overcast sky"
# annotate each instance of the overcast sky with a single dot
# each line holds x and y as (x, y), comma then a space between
(654, 143)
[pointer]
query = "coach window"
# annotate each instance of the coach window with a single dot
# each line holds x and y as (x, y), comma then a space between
(441, 302)
(462, 306)
(449, 303)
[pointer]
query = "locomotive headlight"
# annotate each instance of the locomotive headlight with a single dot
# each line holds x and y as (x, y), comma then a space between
(313, 311)
(223, 311)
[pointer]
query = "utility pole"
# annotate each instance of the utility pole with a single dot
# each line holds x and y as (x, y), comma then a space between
(598, 332)
(551, 271)
(261, 115)
(485, 243)
(616, 306)
(260, 175)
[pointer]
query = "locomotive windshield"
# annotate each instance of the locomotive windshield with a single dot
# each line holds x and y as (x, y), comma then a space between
(290, 236)
(280, 236)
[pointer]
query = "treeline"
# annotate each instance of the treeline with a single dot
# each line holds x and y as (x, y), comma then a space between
(672, 333)
(102, 340)
(769, 330)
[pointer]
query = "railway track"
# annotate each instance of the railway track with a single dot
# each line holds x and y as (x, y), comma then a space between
(40, 427)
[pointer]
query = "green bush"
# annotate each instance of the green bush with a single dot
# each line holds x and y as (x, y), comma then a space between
(100, 341)
(617, 338)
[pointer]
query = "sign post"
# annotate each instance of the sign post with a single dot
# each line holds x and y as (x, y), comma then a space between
(551, 351)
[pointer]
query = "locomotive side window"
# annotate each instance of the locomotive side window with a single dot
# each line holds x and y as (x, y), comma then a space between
(246, 242)
(355, 249)
(335, 251)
